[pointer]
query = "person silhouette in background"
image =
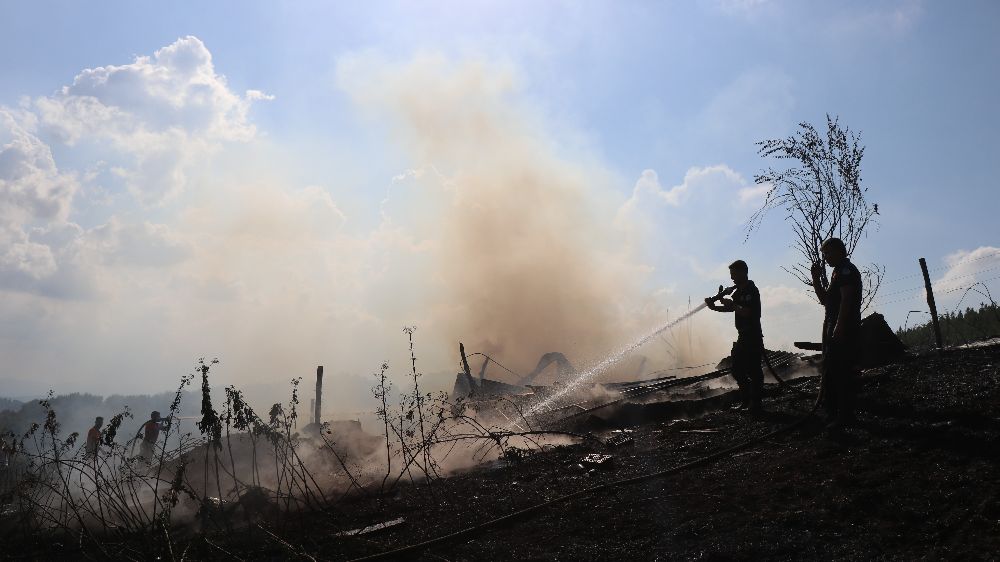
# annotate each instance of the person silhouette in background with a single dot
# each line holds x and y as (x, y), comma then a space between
(94, 438)
(150, 433)
(745, 306)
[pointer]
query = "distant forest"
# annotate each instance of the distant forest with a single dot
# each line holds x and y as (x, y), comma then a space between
(10, 404)
(957, 328)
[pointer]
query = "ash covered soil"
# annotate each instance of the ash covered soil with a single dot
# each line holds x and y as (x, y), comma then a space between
(917, 477)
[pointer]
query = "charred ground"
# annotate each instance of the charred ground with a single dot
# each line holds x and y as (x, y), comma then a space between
(917, 477)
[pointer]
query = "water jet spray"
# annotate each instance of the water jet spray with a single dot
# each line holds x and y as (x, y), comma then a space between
(605, 364)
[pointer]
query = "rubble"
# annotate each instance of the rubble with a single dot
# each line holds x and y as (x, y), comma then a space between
(598, 460)
(879, 344)
(631, 402)
(619, 437)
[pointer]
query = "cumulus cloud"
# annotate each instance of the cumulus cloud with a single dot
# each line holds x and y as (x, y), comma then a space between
(966, 268)
(45, 261)
(32, 191)
(31, 185)
(177, 87)
(701, 180)
(23, 260)
(44, 252)
(157, 114)
(253, 269)
(683, 210)
(755, 193)
(649, 183)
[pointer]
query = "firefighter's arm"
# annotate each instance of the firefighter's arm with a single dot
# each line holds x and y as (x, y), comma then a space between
(817, 282)
(725, 305)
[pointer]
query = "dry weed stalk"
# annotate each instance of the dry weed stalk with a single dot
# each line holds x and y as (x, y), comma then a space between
(116, 504)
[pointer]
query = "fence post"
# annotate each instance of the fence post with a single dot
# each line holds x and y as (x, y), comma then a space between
(319, 394)
(931, 304)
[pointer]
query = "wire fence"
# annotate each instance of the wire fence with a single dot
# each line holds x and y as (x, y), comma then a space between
(942, 267)
(957, 326)
(951, 285)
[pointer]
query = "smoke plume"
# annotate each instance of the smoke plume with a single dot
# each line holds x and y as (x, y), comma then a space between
(525, 257)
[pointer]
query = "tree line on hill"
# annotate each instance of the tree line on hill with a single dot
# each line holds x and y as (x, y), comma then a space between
(957, 327)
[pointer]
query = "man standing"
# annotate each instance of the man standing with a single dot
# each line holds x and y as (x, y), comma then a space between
(150, 433)
(749, 345)
(841, 331)
(94, 438)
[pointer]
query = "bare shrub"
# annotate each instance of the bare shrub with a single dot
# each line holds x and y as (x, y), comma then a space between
(821, 194)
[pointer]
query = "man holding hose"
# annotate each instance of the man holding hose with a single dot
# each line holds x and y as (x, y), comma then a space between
(745, 305)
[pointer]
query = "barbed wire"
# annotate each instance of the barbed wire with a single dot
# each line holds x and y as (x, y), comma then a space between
(967, 286)
(977, 272)
(939, 268)
(501, 365)
(973, 288)
(942, 289)
(895, 301)
(937, 291)
(905, 323)
(901, 291)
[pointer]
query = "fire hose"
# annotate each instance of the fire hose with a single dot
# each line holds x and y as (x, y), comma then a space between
(781, 382)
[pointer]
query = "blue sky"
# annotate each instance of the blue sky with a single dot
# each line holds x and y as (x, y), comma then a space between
(284, 185)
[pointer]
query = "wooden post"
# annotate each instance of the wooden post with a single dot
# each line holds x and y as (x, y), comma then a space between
(319, 394)
(465, 367)
(930, 303)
